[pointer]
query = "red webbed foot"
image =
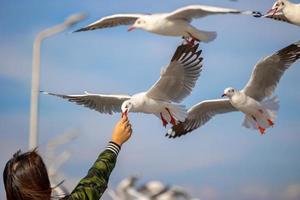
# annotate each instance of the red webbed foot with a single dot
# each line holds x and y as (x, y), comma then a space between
(270, 122)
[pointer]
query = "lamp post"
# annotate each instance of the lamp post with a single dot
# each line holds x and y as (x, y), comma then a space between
(35, 77)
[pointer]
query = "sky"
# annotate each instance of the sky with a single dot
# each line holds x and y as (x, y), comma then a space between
(221, 160)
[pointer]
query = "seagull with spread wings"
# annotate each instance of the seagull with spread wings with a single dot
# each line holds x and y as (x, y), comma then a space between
(259, 110)
(286, 11)
(176, 82)
(176, 23)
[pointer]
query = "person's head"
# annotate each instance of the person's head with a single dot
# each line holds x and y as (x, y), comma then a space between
(25, 177)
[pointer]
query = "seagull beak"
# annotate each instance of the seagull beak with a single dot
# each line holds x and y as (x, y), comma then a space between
(131, 28)
(224, 95)
(124, 113)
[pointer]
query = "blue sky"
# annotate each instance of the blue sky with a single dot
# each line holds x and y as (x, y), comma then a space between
(221, 160)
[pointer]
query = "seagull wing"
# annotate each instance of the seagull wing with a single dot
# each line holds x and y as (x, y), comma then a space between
(111, 21)
(107, 104)
(179, 78)
(278, 16)
(267, 72)
(199, 114)
(198, 11)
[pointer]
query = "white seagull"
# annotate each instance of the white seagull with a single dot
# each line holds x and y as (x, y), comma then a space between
(176, 23)
(259, 111)
(158, 191)
(284, 10)
(176, 82)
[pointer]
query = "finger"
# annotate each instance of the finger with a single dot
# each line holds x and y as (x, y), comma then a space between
(128, 128)
(124, 119)
(126, 123)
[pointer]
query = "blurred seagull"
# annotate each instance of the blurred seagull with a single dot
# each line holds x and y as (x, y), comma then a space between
(176, 82)
(260, 113)
(284, 10)
(176, 23)
(155, 190)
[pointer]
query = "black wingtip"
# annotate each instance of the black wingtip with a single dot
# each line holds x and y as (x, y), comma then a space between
(81, 29)
(257, 14)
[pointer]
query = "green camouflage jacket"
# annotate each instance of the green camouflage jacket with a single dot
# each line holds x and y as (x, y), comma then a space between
(94, 184)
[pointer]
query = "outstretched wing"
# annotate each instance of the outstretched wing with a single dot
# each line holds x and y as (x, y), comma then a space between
(179, 78)
(267, 72)
(199, 114)
(107, 104)
(198, 11)
(111, 21)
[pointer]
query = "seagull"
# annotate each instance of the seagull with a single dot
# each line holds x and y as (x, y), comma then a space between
(176, 82)
(156, 190)
(254, 100)
(176, 23)
(283, 10)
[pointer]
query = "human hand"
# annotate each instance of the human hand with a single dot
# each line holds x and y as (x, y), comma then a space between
(122, 131)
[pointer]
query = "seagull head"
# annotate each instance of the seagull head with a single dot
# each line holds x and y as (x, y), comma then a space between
(126, 107)
(229, 92)
(139, 23)
(277, 8)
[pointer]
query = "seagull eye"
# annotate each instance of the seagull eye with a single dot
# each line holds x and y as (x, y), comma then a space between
(282, 3)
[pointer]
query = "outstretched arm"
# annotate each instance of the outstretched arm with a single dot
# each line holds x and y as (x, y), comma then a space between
(93, 185)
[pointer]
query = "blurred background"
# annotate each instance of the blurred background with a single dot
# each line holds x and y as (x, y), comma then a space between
(221, 160)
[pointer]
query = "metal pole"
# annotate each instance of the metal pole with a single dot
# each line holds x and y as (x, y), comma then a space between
(35, 82)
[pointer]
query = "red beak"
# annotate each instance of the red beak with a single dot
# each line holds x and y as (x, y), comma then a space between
(223, 95)
(131, 28)
(124, 113)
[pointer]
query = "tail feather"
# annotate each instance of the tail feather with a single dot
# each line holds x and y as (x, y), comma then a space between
(271, 106)
(206, 36)
(179, 112)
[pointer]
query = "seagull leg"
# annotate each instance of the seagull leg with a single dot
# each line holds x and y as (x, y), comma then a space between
(193, 40)
(173, 121)
(261, 129)
(164, 121)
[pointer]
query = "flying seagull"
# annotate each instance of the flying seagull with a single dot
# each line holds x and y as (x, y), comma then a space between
(254, 100)
(176, 82)
(176, 23)
(283, 10)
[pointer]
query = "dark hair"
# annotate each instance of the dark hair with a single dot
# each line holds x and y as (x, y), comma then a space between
(25, 177)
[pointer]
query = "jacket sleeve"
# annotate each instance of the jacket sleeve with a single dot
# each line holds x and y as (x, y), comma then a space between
(93, 185)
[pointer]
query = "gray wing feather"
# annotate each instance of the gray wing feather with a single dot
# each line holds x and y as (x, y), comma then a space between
(107, 104)
(112, 21)
(198, 11)
(179, 78)
(267, 72)
(200, 114)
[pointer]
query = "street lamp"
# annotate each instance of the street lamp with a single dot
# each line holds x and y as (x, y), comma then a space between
(35, 78)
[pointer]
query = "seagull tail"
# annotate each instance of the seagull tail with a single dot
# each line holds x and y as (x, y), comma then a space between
(203, 36)
(271, 106)
(206, 36)
(178, 111)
